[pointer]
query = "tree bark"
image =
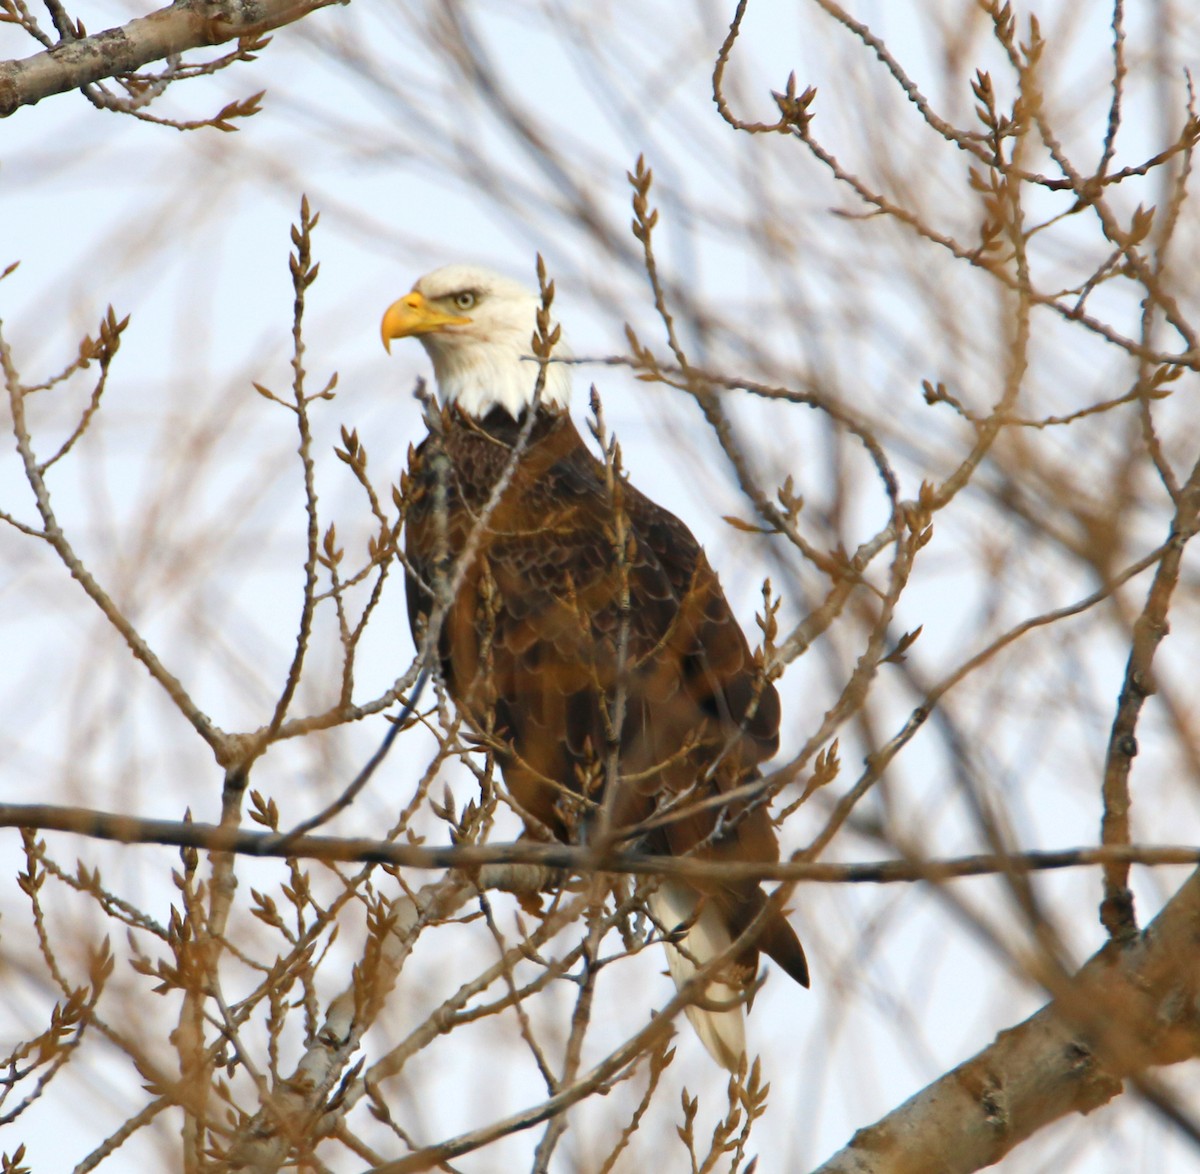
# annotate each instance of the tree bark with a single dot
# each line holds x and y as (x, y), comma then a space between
(1126, 1011)
(175, 29)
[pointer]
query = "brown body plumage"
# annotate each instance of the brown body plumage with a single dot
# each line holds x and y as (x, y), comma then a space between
(531, 648)
(590, 644)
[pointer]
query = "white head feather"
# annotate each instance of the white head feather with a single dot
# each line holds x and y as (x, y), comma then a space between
(477, 326)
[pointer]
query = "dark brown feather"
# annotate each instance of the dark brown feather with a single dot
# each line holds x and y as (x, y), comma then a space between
(559, 618)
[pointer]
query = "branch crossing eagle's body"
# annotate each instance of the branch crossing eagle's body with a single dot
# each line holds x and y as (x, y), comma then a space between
(588, 638)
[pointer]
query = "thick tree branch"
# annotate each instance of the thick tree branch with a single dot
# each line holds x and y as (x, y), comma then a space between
(187, 24)
(1125, 1012)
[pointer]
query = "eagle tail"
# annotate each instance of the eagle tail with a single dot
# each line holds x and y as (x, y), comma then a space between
(723, 1032)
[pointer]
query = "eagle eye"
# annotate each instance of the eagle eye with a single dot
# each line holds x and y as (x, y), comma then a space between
(465, 299)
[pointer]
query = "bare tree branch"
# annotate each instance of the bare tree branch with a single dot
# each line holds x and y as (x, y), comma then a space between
(181, 26)
(1126, 1011)
(128, 829)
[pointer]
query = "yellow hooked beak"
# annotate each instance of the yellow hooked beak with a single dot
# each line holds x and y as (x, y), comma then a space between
(412, 314)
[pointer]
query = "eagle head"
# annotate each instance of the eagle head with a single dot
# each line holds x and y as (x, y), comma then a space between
(477, 326)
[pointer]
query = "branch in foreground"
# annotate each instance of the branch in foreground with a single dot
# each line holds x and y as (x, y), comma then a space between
(1127, 1010)
(128, 829)
(169, 31)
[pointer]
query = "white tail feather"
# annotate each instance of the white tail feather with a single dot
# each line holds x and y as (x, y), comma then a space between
(723, 1033)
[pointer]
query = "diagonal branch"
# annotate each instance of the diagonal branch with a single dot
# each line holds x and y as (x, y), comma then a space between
(1122, 1014)
(172, 30)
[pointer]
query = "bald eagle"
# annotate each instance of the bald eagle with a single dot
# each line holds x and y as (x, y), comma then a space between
(587, 628)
